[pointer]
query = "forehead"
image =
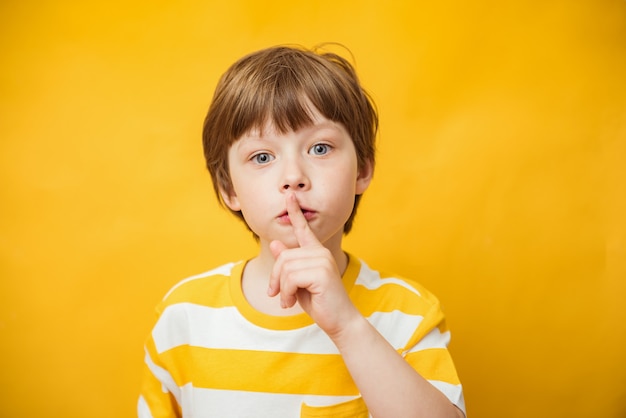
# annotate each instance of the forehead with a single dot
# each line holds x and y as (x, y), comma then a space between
(271, 127)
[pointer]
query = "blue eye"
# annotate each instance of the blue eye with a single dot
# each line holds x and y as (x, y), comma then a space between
(320, 149)
(262, 158)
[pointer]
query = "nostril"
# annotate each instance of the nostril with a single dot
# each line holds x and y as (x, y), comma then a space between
(298, 186)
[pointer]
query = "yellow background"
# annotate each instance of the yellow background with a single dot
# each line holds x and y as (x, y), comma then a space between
(500, 185)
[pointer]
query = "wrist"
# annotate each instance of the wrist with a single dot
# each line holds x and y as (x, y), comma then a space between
(354, 332)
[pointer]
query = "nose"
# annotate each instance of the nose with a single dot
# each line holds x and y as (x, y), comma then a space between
(294, 177)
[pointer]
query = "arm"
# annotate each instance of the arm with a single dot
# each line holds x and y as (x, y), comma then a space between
(389, 385)
(158, 394)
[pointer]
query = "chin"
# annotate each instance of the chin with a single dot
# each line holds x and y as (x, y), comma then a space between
(290, 242)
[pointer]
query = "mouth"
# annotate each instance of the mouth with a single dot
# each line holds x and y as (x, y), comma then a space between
(308, 215)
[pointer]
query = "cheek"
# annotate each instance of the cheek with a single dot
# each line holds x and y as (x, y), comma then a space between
(250, 195)
(346, 182)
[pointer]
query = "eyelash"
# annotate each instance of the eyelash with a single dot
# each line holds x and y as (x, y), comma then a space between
(327, 148)
(256, 157)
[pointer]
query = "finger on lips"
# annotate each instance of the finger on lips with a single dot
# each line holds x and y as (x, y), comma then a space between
(304, 234)
(305, 238)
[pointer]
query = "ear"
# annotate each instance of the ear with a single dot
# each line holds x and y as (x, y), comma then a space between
(230, 199)
(364, 177)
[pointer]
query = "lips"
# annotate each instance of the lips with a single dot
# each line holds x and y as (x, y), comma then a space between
(308, 215)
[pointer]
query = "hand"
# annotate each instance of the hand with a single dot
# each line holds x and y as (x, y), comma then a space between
(309, 275)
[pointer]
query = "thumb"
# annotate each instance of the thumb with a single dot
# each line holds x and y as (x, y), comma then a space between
(277, 247)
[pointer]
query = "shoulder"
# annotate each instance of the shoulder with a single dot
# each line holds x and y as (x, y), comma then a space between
(199, 287)
(394, 292)
(374, 279)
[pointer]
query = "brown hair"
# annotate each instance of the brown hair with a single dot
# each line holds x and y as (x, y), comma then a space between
(276, 85)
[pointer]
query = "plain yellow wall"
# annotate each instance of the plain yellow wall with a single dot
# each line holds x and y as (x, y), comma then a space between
(501, 185)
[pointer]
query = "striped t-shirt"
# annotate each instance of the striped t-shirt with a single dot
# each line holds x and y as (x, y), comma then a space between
(211, 354)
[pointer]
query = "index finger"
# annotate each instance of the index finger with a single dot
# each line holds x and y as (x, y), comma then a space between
(304, 234)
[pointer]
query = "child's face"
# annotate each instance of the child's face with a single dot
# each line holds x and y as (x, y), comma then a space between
(318, 163)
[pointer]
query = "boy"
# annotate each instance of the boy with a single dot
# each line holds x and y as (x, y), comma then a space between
(302, 329)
